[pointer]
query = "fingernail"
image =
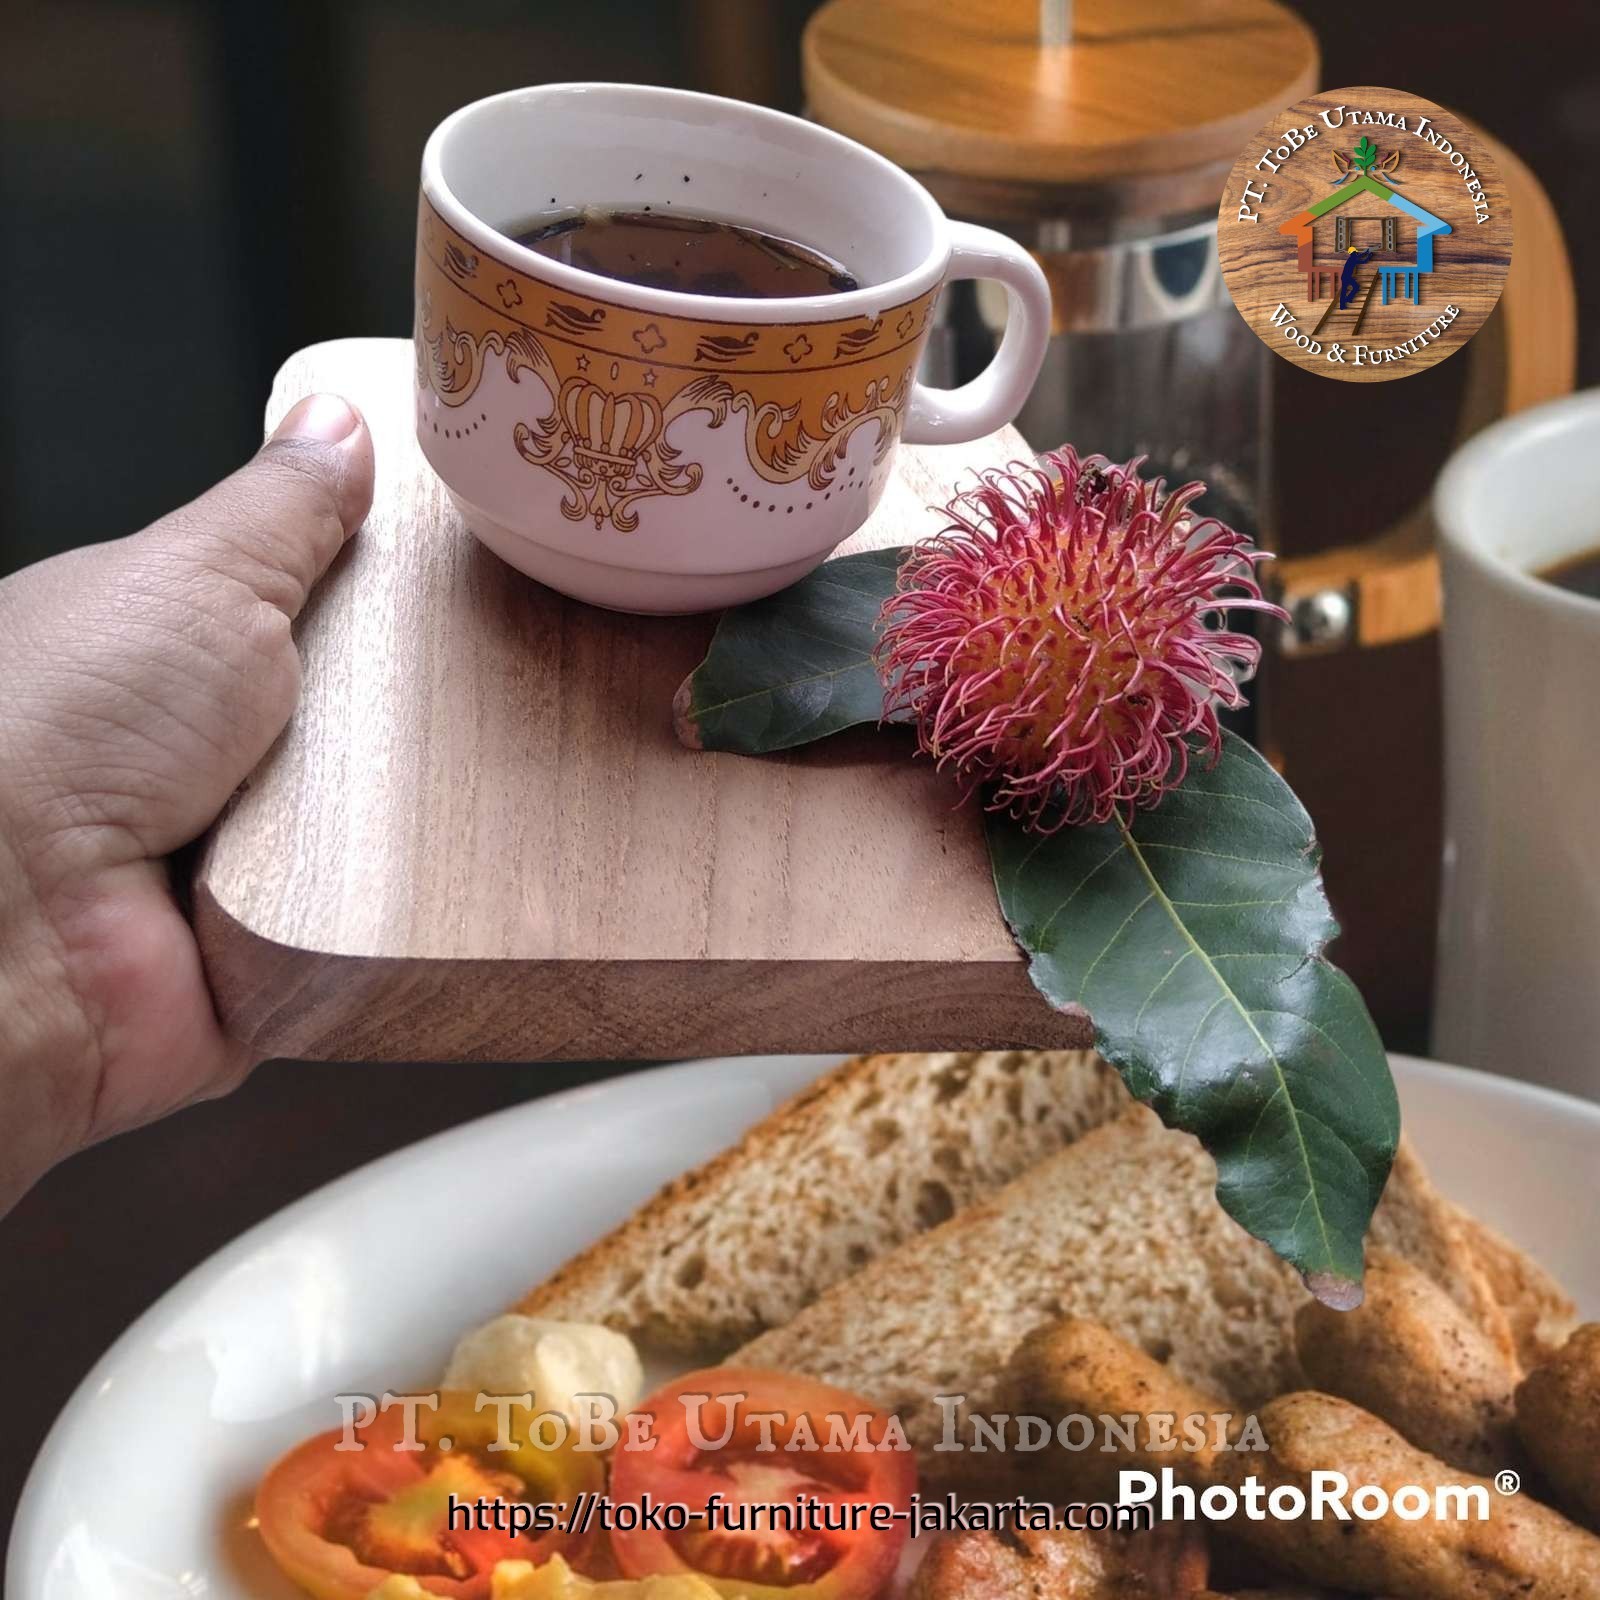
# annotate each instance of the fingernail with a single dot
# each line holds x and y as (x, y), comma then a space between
(324, 417)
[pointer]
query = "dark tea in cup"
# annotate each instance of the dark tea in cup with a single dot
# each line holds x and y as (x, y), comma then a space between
(689, 254)
(1578, 574)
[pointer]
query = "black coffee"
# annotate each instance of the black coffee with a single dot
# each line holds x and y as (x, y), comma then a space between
(696, 255)
(1580, 574)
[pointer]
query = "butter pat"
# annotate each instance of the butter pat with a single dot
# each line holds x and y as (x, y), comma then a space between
(555, 1361)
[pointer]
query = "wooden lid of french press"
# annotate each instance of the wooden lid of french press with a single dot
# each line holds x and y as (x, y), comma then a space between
(1026, 108)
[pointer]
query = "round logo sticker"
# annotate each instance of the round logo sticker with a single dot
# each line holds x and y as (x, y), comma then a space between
(1365, 234)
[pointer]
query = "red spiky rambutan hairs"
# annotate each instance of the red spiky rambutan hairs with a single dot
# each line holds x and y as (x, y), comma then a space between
(1054, 644)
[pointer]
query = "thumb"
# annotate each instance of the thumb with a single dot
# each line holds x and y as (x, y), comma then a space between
(172, 664)
(277, 523)
(246, 556)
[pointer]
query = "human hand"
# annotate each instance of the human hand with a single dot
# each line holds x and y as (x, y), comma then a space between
(140, 682)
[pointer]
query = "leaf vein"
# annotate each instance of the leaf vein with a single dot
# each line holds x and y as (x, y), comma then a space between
(1232, 905)
(778, 688)
(1219, 855)
(1138, 1016)
(1105, 949)
(1110, 856)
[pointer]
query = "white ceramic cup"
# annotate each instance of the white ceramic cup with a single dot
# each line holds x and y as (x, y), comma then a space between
(1519, 933)
(652, 450)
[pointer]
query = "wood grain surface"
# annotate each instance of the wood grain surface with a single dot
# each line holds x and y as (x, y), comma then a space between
(1141, 112)
(1265, 271)
(479, 839)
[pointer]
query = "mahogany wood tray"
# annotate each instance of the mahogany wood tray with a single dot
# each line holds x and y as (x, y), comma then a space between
(480, 839)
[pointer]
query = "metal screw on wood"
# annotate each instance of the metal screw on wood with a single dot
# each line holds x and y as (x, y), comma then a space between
(1322, 620)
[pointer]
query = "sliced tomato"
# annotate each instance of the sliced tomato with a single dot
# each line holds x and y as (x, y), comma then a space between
(769, 1421)
(338, 1522)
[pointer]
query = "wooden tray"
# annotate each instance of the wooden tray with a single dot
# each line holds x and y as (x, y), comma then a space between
(479, 838)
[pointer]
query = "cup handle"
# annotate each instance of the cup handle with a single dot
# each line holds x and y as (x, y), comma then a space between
(996, 395)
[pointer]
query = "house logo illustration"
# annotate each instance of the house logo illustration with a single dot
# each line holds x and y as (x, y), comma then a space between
(1397, 231)
(1365, 234)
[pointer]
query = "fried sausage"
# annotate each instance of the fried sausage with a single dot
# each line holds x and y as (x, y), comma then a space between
(1558, 1417)
(1267, 1594)
(1168, 1563)
(1523, 1551)
(1411, 1356)
(1077, 1368)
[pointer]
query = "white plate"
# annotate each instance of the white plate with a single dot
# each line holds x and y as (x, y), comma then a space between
(143, 1487)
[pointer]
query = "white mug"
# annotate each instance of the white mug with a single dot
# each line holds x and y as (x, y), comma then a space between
(1519, 931)
(652, 450)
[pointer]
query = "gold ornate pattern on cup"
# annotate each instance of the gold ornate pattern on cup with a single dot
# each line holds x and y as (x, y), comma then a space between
(620, 378)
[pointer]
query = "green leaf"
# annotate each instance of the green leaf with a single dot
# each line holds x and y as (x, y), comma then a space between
(1365, 153)
(1193, 938)
(794, 667)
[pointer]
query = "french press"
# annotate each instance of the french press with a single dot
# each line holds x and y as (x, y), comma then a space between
(1101, 141)
(1100, 134)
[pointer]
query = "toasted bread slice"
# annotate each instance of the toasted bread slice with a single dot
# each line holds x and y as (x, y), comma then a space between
(1540, 1312)
(882, 1148)
(1122, 1227)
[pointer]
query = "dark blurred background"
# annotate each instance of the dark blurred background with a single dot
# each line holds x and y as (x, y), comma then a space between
(192, 191)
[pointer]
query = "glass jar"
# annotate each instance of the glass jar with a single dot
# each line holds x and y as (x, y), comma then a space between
(1147, 357)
